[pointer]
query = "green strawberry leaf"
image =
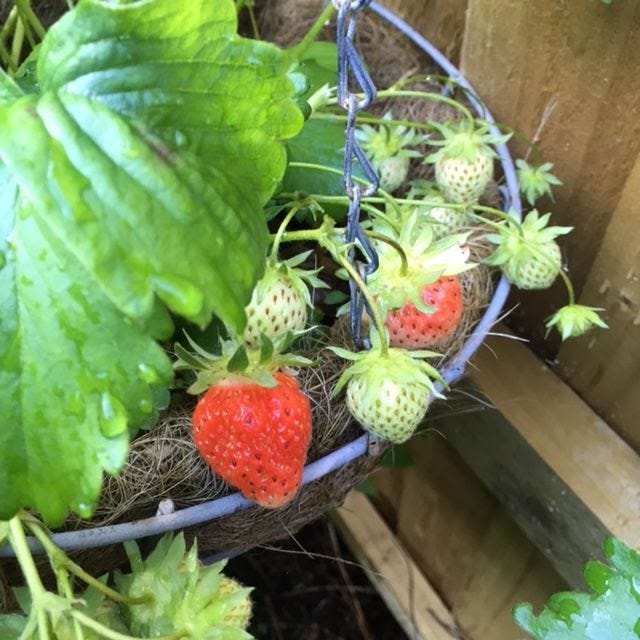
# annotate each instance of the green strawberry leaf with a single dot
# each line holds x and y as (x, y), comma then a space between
(12, 626)
(68, 387)
(180, 68)
(611, 611)
(130, 179)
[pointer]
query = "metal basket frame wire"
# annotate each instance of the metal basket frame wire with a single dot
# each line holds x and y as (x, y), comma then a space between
(451, 372)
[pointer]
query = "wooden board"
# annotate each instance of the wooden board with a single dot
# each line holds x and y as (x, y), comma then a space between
(565, 73)
(565, 477)
(408, 594)
(440, 21)
(604, 366)
(472, 552)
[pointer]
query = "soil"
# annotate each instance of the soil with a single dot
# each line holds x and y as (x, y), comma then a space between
(311, 588)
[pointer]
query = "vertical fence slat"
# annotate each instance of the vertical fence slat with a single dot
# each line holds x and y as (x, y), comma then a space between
(566, 73)
(604, 366)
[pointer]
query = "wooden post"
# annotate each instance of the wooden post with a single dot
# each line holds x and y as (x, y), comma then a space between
(565, 74)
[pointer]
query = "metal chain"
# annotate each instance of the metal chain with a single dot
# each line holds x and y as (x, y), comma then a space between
(351, 66)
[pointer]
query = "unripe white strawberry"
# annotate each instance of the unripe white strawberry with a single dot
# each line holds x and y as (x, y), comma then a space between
(464, 162)
(444, 221)
(281, 301)
(536, 271)
(528, 254)
(388, 148)
(393, 172)
(388, 393)
(462, 180)
(239, 613)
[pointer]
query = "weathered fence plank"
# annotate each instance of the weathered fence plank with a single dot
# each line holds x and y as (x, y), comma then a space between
(466, 543)
(566, 74)
(604, 366)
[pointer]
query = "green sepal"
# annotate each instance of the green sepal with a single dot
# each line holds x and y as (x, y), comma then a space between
(535, 182)
(465, 139)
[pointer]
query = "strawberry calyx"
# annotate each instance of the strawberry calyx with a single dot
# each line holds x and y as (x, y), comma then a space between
(535, 182)
(464, 139)
(298, 279)
(237, 362)
(574, 320)
(517, 243)
(387, 140)
(398, 281)
(399, 365)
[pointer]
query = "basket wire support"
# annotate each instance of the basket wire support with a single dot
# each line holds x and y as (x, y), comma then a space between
(227, 505)
(351, 66)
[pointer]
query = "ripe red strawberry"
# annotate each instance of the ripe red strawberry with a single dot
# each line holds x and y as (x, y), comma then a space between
(411, 328)
(255, 437)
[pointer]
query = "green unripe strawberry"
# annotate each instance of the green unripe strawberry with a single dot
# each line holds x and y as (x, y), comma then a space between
(393, 172)
(444, 221)
(575, 320)
(464, 162)
(388, 147)
(239, 615)
(181, 595)
(536, 271)
(281, 300)
(528, 254)
(388, 393)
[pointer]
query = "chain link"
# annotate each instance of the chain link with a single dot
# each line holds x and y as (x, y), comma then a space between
(351, 67)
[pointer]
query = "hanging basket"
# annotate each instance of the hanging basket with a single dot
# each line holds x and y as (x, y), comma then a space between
(179, 496)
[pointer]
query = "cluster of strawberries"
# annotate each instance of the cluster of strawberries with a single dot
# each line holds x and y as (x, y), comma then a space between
(253, 424)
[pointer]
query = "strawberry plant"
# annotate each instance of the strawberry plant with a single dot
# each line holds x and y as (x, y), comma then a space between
(610, 610)
(169, 595)
(157, 169)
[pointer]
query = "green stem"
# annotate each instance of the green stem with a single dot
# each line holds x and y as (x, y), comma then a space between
(404, 263)
(60, 559)
(116, 635)
(297, 51)
(254, 23)
(24, 7)
(9, 23)
(281, 230)
(569, 285)
(385, 195)
(18, 542)
(16, 44)
(7, 60)
(373, 305)
(367, 119)
(304, 235)
(427, 95)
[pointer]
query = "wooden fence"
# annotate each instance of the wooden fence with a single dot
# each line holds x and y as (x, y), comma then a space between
(506, 504)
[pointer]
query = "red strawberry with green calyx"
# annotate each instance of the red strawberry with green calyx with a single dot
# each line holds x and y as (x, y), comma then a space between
(253, 423)
(422, 299)
(410, 328)
(281, 300)
(527, 253)
(464, 162)
(388, 393)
